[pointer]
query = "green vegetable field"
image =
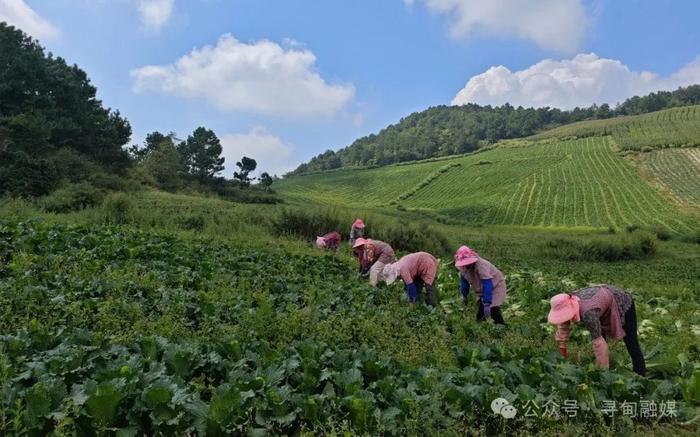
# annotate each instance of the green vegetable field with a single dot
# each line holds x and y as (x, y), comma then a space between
(122, 331)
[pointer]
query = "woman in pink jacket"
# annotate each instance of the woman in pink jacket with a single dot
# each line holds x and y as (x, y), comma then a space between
(488, 283)
(416, 269)
(606, 311)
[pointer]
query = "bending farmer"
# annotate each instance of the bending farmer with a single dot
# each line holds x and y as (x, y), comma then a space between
(488, 282)
(606, 311)
(416, 269)
(373, 257)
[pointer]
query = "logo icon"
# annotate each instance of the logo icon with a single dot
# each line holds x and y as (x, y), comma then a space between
(504, 408)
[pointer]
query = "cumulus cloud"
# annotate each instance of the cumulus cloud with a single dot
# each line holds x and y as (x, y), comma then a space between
(18, 13)
(271, 153)
(155, 13)
(581, 81)
(552, 24)
(262, 77)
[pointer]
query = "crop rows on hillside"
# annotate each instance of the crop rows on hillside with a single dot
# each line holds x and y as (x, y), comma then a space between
(677, 127)
(371, 187)
(677, 170)
(574, 183)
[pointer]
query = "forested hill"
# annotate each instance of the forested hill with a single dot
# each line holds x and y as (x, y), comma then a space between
(449, 130)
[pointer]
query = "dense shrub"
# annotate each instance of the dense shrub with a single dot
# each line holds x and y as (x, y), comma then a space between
(72, 197)
(117, 209)
(308, 224)
(191, 222)
(636, 245)
(26, 176)
(410, 237)
(405, 237)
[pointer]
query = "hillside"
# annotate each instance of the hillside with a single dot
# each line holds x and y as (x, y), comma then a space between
(448, 130)
(676, 127)
(544, 181)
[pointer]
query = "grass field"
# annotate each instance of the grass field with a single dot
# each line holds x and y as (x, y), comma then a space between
(574, 183)
(676, 127)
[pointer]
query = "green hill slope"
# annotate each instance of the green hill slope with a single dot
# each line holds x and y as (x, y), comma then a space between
(676, 127)
(582, 182)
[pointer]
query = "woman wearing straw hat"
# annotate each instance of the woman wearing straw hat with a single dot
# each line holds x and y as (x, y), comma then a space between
(488, 283)
(416, 269)
(606, 311)
(330, 241)
(356, 231)
(373, 256)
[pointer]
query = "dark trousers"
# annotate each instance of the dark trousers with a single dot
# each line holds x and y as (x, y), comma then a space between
(632, 341)
(496, 313)
(430, 294)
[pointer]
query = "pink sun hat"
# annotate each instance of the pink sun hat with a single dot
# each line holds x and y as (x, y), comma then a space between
(465, 256)
(359, 224)
(359, 242)
(564, 308)
(320, 242)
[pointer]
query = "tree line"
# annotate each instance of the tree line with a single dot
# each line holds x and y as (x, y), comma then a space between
(448, 130)
(54, 131)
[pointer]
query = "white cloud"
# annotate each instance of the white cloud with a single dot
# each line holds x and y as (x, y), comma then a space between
(261, 77)
(155, 13)
(18, 13)
(552, 24)
(581, 81)
(271, 153)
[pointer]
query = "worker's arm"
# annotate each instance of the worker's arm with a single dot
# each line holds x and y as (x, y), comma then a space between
(486, 296)
(412, 291)
(463, 287)
(600, 350)
(562, 338)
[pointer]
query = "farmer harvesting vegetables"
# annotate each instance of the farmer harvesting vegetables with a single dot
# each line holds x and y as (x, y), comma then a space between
(487, 281)
(357, 231)
(416, 269)
(374, 255)
(606, 311)
(330, 241)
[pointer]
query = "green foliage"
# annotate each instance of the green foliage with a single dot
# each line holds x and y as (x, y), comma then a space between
(191, 222)
(201, 154)
(116, 330)
(72, 197)
(245, 167)
(163, 168)
(266, 180)
(636, 245)
(309, 224)
(117, 209)
(402, 235)
(47, 105)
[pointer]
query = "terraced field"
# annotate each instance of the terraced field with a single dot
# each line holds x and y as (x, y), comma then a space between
(677, 170)
(575, 183)
(676, 127)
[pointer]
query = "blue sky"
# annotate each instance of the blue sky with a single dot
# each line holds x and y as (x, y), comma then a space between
(283, 80)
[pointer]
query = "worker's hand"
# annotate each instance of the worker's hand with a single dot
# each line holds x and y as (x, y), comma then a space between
(564, 351)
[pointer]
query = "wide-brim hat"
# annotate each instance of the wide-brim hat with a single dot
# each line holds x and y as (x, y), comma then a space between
(390, 272)
(564, 308)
